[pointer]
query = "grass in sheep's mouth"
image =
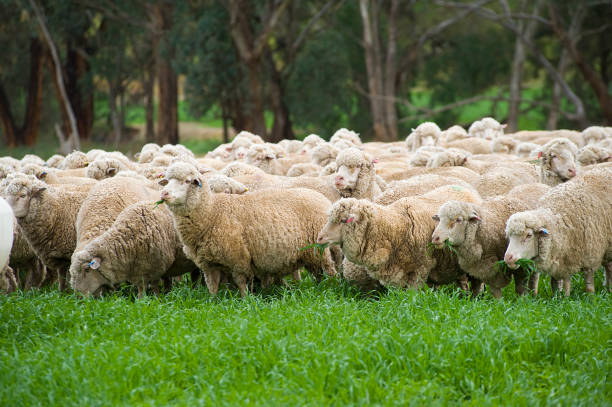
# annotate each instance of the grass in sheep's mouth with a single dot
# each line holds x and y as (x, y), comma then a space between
(161, 201)
(446, 245)
(318, 248)
(527, 265)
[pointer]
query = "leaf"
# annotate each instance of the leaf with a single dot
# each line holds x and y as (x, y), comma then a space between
(318, 248)
(161, 201)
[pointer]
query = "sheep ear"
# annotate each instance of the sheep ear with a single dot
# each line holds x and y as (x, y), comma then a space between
(36, 191)
(474, 217)
(228, 148)
(163, 182)
(269, 156)
(94, 264)
(43, 174)
(111, 171)
(436, 218)
(197, 182)
(543, 231)
(137, 156)
(352, 218)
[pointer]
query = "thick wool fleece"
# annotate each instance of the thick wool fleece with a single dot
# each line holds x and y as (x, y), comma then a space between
(556, 147)
(417, 185)
(254, 235)
(367, 186)
(530, 193)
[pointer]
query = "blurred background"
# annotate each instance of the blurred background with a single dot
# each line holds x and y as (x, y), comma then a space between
(118, 73)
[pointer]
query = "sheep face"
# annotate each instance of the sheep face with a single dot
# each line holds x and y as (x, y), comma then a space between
(524, 231)
(86, 274)
(262, 157)
(562, 163)
(104, 168)
(454, 221)
(342, 214)
(240, 147)
(19, 196)
(222, 184)
(330, 234)
(346, 178)
(76, 159)
(182, 186)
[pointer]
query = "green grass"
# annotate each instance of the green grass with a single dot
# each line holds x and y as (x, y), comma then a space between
(310, 345)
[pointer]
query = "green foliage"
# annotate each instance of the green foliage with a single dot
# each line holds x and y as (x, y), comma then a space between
(320, 344)
(447, 245)
(317, 248)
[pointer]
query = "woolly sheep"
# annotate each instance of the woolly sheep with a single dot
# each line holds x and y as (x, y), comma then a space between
(390, 241)
(49, 176)
(527, 149)
(530, 193)
(74, 160)
(46, 215)
(6, 238)
(451, 134)
(486, 128)
(593, 154)
(220, 183)
(301, 169)
(32, 159)
(473, 145)
(356, 176)
(323, 154)
(557, 161)
(310, 142)
(252, 235)
(417, 185)
(106, 167)
(329, 169)
(425, 134)
(253, 137)
(55, 160)
(423, 154)
(548, 235)
(476, 232)
(504, 144)
(291, 146)
(451, 157)
(595, 134)
(176, 150)
(10, 162)
(141, 247)
(239, 147)
(346, 135)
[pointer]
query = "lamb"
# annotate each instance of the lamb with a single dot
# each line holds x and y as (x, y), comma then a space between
(7, 278)
(486, 128)
(476, 232)
(46, 215)
(557, 162)
(570, 231)
(593, 154)
(141, 247)
(417, 185)
(426, 134)
(356, 176)
(390, 241)
(252, 235)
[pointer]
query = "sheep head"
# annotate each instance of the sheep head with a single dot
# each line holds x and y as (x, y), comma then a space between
(524, 230)
(104, 167)
(183, 186)
(456, 221)
(559, 156)
(353, 164)
(76, 159)
(341, 214)
(261, 156)
(87, 272)
(21, 191)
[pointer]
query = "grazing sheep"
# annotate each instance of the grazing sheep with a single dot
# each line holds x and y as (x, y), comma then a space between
(7, 283)
(593, 154)
(476, 232)
(557, 161)
(29, 270)
(356, 176)
(425, 134)
(141, 247)
(390, 241)
(252, 235)
(46, 214)
(570, 231)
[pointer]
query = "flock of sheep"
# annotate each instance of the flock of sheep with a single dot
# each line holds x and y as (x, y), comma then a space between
(442, 207)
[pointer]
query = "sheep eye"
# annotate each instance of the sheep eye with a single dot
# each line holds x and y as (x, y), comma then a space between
(529, 234)
(459, 220)
(22, 196)
(187, 181)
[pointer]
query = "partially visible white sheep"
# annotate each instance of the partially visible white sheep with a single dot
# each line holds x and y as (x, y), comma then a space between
(301, 169)
(346, 135)
(55, 161)
(220, 183)
(557, 161)
(422, 155)
(486, 128)
(595, 134)
(425, 134)
(6, 240)
(74, 160)
(323, 154)
(593, 154)
(356, 176)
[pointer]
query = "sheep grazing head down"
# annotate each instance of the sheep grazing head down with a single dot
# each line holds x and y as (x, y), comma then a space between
(456, 221)
(87, 273)
(182, 186)
(343, 214)
(525, 231)
(21, 191)
(559, 156)
(353, 164)
(104, 167)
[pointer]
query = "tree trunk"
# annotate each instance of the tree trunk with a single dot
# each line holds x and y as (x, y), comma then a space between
(255, 119)
(281, 127)
(76, 69)
(391, 74)
(516, 75)
(8, 121)
(374, 71)
(114, 113)
(587, 71)
(167, 109)
(554, 114)
(149, 80)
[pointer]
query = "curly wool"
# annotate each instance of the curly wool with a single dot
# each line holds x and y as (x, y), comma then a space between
(554, 147)
(367, 186)
(323, 154)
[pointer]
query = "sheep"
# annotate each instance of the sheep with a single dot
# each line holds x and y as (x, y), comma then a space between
(500, 180)
(425, 134)
(220, 183)
(451, 134)
(55, 160)
(239, 147)
(12, 163)
(5, 170)
(140, 247)
(595, 134)
(504, 144)
(451, 157)
(147, 153)
(108, 166)
(530, 193)
(390, 241)
(346, 135)
(74, 160)
(593, 154)
(323, 154)
(6, 243)
(262, 156)
(301, 169)
(476, 232)
(557, 160)
(29, 270)
(253, 137)
(473, 145)
(252, 235)
(527, 149)
(463, 173)
(176, 150)
(417, 185)
(50, 176)
(570, 231)
(356, 176)
(32, 159)
(291, 146)
(486, 128)
(423, 154)
(310, 142)
(46, 214)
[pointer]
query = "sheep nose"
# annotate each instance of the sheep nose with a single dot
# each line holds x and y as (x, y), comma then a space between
(572, 171)
(436, 239)
(509, 258)
(165, 194)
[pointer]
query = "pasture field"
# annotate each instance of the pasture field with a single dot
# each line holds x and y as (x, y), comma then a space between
(312, 344)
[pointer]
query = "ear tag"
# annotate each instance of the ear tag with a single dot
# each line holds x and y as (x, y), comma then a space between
(349, 220)
(544, 231)
(375, 161)
(94, 265)
(540, 154)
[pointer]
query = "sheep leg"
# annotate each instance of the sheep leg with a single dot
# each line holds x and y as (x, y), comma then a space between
(589, 283)
(241, 281)
(296, 275)
(62, 280)
(555, 285)
(609, 276)
(533, 283)
(212, 276)
(495, 292)
(567, 285)
(520, 282)
(141, 291)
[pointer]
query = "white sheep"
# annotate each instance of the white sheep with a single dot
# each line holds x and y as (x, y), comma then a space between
(6, 243)
(425, 134)
(557, 161)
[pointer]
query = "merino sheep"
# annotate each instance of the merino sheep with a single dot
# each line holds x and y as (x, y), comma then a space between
(451, 134)
(476, 232)
(55, 161)
(32, 159)
(425, 134)
(346, 135)
(6, 243)
(390, 241)
(46, 215)
(417, 185)
(527, 149)
(530, 193)
(504, 144)
(252, 235)
(557, 161)
(486, 128)
(593, 154)
(356, 176)
(595, 134)
(309, 169)
(451, 157)
(323, 154)
(74, 160)
(570, 231)
(422, 155)
(220, 183)
(310, 142)
(141, 247)
(50, 176)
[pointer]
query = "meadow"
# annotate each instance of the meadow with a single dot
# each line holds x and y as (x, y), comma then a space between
(310, 344)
